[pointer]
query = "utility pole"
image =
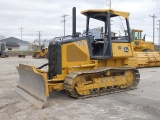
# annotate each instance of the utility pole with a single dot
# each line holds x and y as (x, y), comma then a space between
(159, 36)
(153, 25)
(21, 30)
(110, 3)
(64, 20)
(39, 38)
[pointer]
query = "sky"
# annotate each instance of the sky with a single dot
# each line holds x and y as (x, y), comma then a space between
(46, 16)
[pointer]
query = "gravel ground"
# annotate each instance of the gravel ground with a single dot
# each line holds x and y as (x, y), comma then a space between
(140, 104)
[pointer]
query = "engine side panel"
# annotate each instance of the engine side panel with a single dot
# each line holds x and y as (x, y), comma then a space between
(122, 50)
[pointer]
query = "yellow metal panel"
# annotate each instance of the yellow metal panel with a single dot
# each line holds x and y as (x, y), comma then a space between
(120, 50)
(137, 30)
(144, 59)
(78, 56)
(119, 13)
(75, 54)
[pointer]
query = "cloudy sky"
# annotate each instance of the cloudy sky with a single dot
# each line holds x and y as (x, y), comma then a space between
(45, 16)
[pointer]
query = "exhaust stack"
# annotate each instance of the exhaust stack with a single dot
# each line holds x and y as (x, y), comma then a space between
(74, 22)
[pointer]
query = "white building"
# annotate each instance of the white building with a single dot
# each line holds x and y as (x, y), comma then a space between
(23, 45)
(12, 46)
(98, 32)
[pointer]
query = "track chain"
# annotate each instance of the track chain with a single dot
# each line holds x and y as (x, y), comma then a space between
(69, 80)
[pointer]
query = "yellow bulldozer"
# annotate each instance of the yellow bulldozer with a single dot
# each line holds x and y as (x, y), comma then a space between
(141, 45)
(40, 54)
(144, 55)
(43, 53)
(83, 66)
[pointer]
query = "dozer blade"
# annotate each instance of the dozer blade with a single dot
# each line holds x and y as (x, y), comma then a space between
(36, 55)
(32, 85)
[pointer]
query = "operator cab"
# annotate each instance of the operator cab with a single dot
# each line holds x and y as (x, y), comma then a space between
(101, 48)
(136, 36)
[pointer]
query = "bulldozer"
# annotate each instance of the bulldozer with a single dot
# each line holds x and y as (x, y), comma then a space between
(83, 66)
(43, 53)
(40, 54)
(145, 54)
(140, 44)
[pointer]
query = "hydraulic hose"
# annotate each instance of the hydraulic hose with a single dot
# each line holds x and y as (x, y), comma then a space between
(43, 66)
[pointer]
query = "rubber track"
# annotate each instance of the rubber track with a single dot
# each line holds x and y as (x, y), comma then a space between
(69, 80)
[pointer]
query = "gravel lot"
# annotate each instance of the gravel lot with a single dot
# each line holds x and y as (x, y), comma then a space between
(140, 104)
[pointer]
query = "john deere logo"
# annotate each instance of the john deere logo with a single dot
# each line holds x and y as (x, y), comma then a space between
(80, 43)
(126, 49)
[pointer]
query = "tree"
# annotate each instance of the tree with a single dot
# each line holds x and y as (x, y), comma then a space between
(2, 37)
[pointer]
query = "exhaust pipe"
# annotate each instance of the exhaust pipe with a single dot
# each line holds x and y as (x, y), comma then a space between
(74, 22)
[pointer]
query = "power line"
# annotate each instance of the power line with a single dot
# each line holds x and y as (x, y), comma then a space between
(21, 30)
(153, 16)
(122, 25)
(64, 21)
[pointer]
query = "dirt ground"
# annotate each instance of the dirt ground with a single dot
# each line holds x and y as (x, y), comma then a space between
(140, 104)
